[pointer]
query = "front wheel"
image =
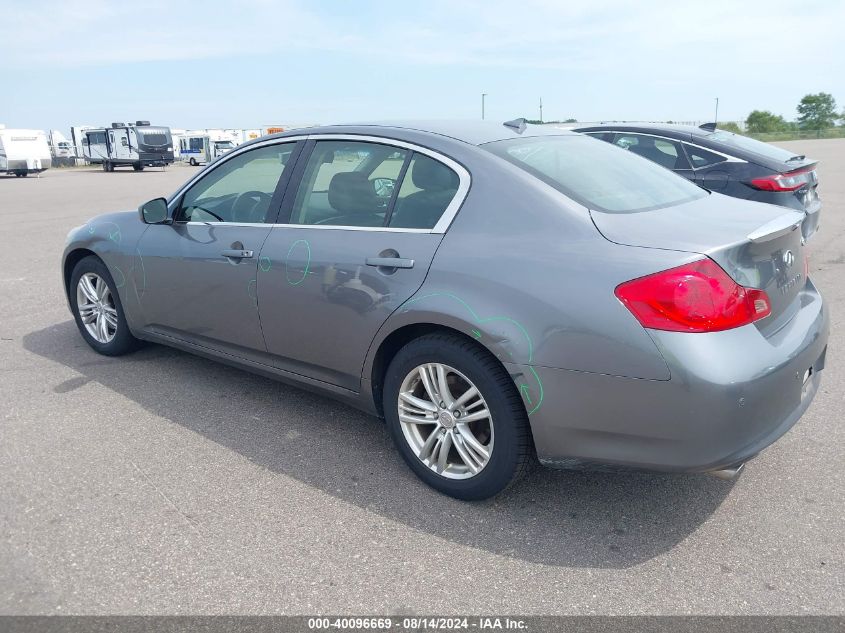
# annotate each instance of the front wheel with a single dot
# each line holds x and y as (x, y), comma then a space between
(97, 309)
(456, 417)
(192, 162)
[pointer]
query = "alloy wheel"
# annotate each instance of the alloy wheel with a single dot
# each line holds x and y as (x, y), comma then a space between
(446, 421)
(96, 307)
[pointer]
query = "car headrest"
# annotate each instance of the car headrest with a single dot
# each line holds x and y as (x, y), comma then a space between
(352, 192)
(429, 174)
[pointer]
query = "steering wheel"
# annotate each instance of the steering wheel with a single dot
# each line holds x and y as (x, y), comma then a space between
(251, 202)
(207, 212)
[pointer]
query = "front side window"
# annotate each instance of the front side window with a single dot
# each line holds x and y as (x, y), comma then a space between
(239, 189)
(597, 175)
(196, 144)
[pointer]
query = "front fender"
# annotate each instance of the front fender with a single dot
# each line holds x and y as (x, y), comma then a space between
(113, 238)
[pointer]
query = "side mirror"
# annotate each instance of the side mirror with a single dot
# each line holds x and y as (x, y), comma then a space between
(384, 187)
(154, 211)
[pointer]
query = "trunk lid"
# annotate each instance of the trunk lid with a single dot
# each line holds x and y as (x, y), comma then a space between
(758, 245)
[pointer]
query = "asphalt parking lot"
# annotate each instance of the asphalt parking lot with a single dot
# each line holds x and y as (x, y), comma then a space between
(165, 483)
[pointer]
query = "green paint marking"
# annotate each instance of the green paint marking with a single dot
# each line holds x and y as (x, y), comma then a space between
(264, 263)
(305, 272)
(539, 386)
(524, 389)
(122, 281)
(526, 393)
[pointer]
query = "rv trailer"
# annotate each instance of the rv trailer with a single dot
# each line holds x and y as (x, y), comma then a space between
(23, 152)
(126, 145)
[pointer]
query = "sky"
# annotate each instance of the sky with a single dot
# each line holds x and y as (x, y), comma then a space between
(253, 63)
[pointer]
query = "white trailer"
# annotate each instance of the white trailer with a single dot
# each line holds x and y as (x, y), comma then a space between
(200, 147)
(126, 145)
(24, 152)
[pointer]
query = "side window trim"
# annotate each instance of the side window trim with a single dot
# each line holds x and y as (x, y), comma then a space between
(445, 221)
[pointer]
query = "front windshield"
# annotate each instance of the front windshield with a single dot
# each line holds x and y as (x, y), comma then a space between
(596, 174)
(224, 144)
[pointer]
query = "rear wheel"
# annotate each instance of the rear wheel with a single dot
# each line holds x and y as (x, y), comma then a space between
(97, 309)
(192, 162)
(456, 417)
(138, 167)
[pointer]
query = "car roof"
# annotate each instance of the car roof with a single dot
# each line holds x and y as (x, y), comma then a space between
(473, 132)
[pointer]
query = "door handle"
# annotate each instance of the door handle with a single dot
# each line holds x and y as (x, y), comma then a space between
(234, 253)
(390, 262)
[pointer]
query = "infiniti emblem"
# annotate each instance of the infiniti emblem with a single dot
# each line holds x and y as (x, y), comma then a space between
(788, 258)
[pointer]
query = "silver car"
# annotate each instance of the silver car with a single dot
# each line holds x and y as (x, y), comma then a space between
(494, 292)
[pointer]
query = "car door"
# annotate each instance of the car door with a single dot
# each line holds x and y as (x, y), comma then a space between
(356, 240)
(199, 272)
(664, 151)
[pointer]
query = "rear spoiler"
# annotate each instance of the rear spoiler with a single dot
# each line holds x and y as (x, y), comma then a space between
(781, 225)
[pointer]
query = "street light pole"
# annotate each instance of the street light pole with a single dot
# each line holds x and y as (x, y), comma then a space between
(541, 109)
(716, 116)
(483, 94)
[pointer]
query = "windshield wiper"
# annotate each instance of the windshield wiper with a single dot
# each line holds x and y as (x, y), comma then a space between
(801, 157)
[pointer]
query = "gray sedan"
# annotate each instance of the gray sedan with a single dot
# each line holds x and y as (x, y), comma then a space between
(497, 293)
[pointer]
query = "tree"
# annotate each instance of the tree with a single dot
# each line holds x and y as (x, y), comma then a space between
(763, 121)
(730, 126)
(817, 112)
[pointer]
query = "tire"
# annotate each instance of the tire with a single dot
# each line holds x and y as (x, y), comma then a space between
(138, 167)
(192, 162)
(105, 166)
(504, 434)
(121, 341)
(24, 174)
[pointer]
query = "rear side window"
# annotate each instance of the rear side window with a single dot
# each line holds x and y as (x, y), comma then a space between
(427, 189)
(699, 158)
(597, 175)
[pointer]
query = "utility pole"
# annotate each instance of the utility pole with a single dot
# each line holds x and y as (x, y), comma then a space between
(541, 109)
(483, 94)
(716, 116)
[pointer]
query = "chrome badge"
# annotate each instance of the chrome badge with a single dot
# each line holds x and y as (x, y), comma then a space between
(788, 259)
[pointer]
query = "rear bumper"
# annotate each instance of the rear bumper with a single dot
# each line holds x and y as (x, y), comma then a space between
(731, 394)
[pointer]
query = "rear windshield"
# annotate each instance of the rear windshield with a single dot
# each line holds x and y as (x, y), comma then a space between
(750, 145)
(596, 174)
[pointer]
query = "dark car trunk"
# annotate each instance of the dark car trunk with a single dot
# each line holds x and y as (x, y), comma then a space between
(759, 245)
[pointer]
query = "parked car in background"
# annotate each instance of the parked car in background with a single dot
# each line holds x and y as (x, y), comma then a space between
(491, 290)
(729, 163)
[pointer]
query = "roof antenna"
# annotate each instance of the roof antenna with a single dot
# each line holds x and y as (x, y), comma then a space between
(710, 127)
(518, 125)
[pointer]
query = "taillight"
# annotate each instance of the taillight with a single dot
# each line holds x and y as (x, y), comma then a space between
(695, 297)
(789, 181)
